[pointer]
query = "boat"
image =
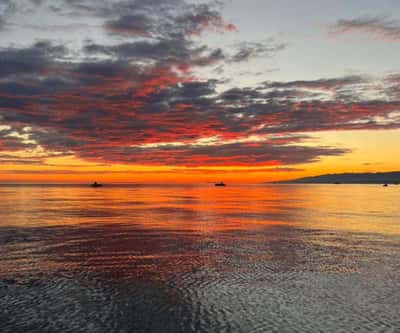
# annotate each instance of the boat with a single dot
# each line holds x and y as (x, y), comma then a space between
(96, 184)
(220, 184)
(385, 185)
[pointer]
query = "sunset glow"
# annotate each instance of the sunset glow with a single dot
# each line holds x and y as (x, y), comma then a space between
(178, 91)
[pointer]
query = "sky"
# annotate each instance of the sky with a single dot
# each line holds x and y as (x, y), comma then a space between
(197, 91)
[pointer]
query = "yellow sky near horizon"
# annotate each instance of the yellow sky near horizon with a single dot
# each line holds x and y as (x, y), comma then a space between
(371, 151)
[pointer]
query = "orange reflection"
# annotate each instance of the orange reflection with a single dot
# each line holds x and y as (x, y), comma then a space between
(205, 209)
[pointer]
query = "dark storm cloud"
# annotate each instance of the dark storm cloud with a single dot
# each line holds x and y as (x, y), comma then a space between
(380, 27)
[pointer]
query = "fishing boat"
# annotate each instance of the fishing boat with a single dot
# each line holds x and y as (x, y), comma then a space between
(96, 184)
(220, 184)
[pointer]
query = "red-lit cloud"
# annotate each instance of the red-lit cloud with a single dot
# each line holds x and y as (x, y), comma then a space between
(137, 100)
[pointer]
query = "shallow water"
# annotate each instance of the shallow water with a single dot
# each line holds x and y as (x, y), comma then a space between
(278, 258)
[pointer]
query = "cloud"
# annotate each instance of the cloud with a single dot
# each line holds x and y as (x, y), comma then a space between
(178, 52)
(19, 161)
(238, 154)
(167, 20)
(248, 50)
(11, 140)
(323, 84)
(160, 34)
(140, 25)
(392, 86)
(7, 9)
(135, 95)
(110, 110)
(181, 170)
(32, 60)
(378, 27)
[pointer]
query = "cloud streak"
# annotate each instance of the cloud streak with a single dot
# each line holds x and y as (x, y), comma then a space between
(248, 50)
(378, 27)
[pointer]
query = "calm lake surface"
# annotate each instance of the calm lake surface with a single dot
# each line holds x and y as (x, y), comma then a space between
(271, 258)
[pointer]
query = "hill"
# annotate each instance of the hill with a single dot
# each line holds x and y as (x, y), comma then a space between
(350, 178)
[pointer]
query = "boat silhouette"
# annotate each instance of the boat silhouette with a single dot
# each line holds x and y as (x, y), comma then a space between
(96, 184)
(220, 184)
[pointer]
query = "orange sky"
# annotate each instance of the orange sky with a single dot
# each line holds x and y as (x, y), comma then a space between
(369, 153)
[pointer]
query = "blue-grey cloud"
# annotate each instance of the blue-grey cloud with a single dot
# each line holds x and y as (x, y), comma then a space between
(247, 50)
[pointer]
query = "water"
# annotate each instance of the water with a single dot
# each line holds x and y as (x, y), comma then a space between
(281, 258)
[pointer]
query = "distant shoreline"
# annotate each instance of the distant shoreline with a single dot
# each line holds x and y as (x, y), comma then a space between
(348, 178)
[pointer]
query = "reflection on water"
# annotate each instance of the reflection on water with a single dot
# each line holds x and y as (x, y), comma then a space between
(199, 259)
